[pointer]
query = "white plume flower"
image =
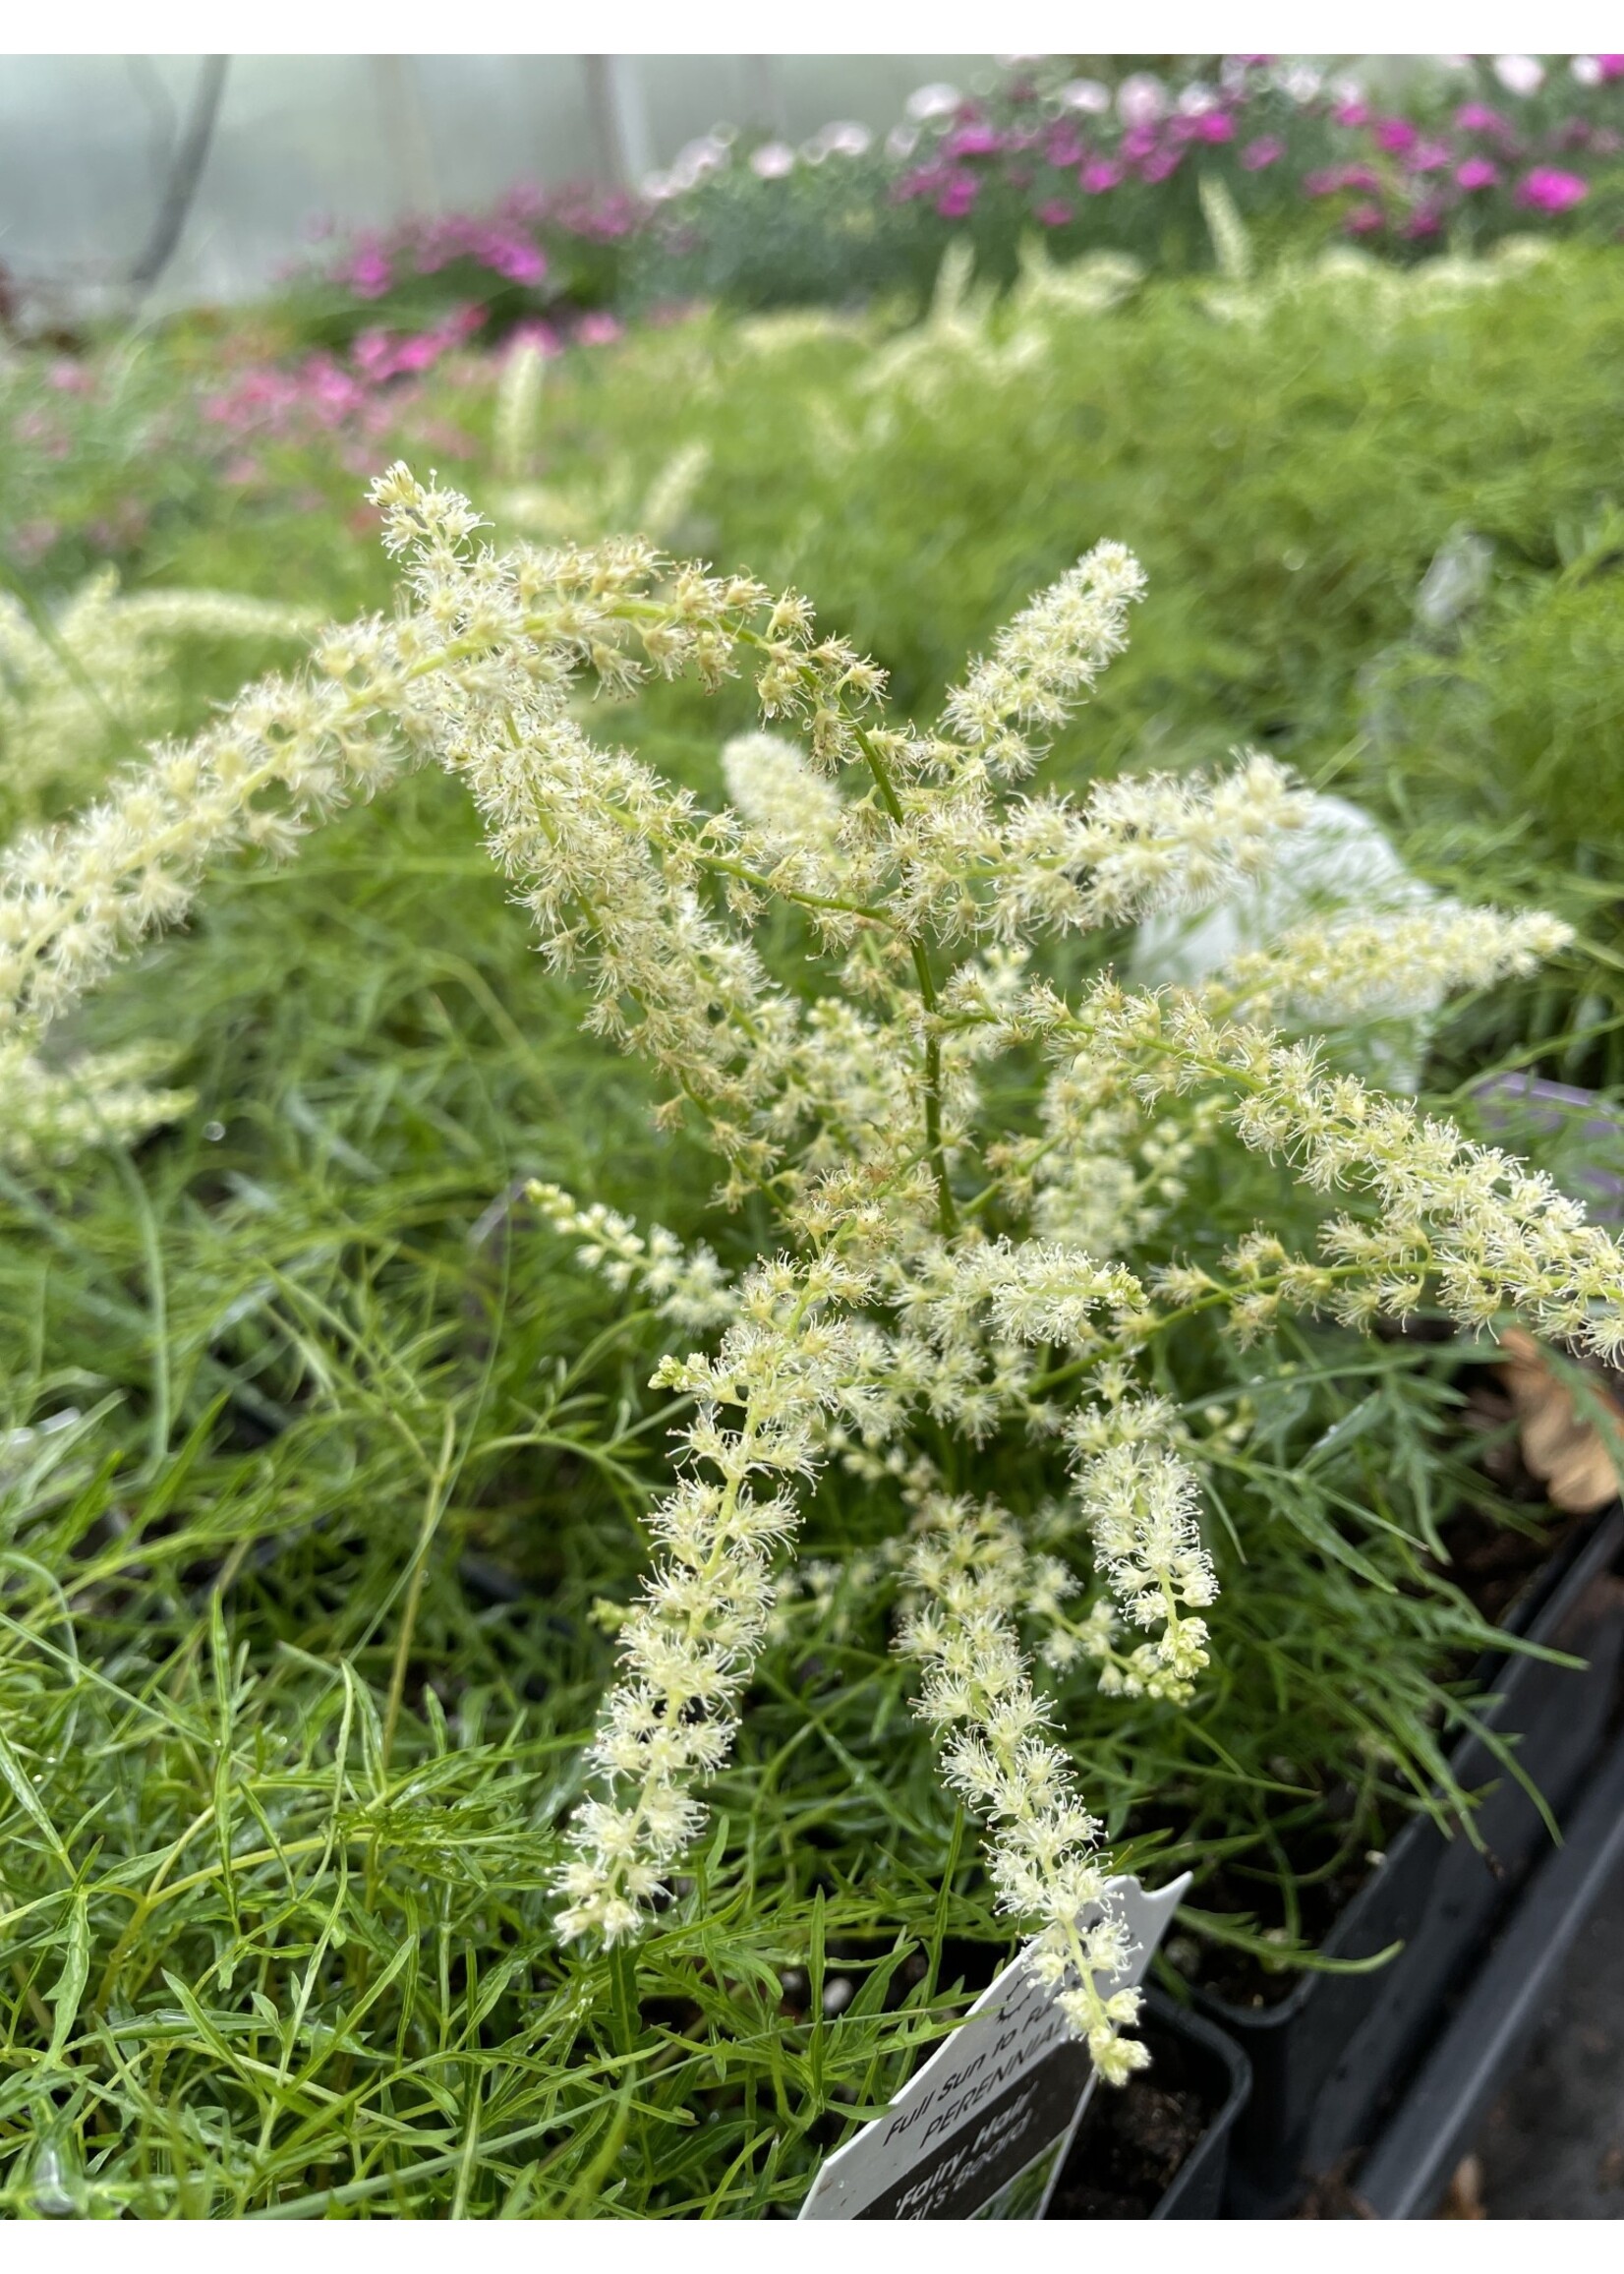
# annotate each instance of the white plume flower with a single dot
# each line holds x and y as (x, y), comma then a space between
(943, 1264)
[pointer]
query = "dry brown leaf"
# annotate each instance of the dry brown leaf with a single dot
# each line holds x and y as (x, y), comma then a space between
(1564, 1450)
(1464, 2199)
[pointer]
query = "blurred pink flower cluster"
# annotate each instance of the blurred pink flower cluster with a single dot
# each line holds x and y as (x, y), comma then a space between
(1417, 178)
(1096, 140)
(1534, 150)
(373, 399)
(509, 243)
(289, 400)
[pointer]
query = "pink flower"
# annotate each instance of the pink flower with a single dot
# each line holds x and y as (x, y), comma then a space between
(1160, 165)
(516, 258)
(419, 352)
(1266, 150)
(972, 141)
(1478, 174)
(1352, 114)
(1054, 213)
(599, 329)
(368, 274)
(1139, 142)
(69, 377)
(1335, 178)
(958, 197)
(1213, 125)
(1064, 150)
(1548, 190)
(1099, 175)
(373, 354)
(1475, 118)
(1611, 67)
(1427, 157)
(1424, 222)
(1360, 221)
(1396, 134)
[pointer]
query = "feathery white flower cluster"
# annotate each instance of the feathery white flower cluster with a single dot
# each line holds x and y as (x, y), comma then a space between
(793, 809)
(1044, 1855)
(517, 411)
(973, 333)
(1140, 1500)
(1341, 970)
(610, 500)
(685, 1285)
(943, 1270)
(80, 687)
(1488, 1233)
(1045, 660)
(688, 1646)
(50, 1113)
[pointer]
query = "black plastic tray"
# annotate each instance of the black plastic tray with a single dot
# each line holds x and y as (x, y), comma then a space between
(1196, 2191)
(1326, 2058)
(1409, 2169)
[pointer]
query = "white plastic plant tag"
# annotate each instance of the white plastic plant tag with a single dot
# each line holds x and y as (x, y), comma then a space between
(982, 2130)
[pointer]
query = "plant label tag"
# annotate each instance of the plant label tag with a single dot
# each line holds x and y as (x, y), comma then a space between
(981, 2131)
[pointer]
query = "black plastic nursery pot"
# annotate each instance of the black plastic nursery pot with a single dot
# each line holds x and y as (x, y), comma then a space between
(1158, 2146)
(1327, 2057)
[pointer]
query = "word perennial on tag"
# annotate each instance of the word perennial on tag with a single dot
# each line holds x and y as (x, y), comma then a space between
(981, 2131)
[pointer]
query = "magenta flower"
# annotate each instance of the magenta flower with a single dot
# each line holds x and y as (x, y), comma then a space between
(1099, 175)
(1396, 134)
(1548, 190)
(1611, 67)
(1138, 143)
(1335, 178)
(1213, 125)
(972, 141)
(1475, 118)
(1352, 114)
(599, 329)
(1054, 213)
(1160, 165)
(514, 258)
(374, 353)
(1478, 174)
(1427, 157)
(1266, 150)
(1424, 222)
(369, 275)
(1064, 150)
(958, 197)
(1362, 221)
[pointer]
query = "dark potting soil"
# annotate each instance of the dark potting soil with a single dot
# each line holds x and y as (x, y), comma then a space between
(1134, 2137)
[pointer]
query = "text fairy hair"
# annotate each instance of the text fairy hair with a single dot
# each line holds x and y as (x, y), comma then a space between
(936, 1268)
